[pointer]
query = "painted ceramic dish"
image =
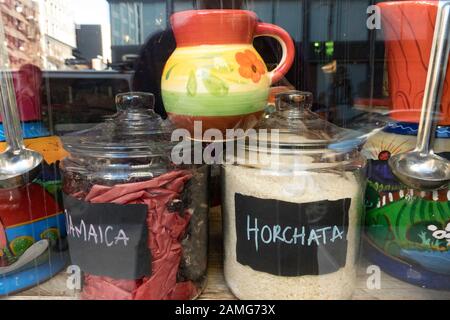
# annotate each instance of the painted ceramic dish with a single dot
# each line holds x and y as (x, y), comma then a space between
(215, 75)
(411, 228)
(33, 213)
(27, 215)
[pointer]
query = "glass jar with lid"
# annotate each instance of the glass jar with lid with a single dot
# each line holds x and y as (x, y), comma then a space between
(292, 206)
(136, 222)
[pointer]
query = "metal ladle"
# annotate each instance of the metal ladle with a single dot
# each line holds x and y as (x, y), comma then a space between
(422, 169)
(18, 165)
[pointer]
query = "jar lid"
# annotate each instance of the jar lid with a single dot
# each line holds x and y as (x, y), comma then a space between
(294, 138)
(135, 131)
(299, 128)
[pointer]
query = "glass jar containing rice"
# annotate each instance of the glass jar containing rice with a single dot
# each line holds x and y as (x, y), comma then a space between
(136, 223)
(292, 206)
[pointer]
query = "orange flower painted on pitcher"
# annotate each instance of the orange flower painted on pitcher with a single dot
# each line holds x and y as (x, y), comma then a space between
(250, 66)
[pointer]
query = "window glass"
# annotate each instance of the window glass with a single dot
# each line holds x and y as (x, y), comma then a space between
(359, 58)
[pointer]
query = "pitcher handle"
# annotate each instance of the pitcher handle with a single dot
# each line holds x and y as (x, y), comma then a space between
(273, 31)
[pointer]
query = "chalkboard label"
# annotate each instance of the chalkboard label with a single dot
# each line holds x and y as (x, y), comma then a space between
(107, 239)
(291, 239)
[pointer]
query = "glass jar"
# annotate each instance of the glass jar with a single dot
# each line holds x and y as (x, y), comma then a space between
(407, 231)
(292, 205)
(136, 222)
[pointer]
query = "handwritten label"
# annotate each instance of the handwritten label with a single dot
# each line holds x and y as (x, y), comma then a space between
(96, 233)
(291, 239)
(107, 239)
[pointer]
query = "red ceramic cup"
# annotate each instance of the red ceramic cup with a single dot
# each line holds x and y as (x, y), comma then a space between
(408, 28)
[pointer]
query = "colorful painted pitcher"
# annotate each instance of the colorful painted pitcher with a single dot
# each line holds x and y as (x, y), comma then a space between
(215, 75)
(408, 28)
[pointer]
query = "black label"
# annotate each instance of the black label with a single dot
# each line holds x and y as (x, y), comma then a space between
(107, 239)
(291, 239)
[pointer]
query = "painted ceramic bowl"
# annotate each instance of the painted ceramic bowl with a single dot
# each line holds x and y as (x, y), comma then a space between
(407, 231)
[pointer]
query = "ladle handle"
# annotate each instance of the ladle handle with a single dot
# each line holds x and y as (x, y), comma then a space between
(437, 71)
(8, 102)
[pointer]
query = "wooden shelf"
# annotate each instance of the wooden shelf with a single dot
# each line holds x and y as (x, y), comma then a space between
(391, 288)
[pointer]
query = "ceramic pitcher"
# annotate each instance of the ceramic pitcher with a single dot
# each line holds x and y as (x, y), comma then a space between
(215, 75)
(408, 28)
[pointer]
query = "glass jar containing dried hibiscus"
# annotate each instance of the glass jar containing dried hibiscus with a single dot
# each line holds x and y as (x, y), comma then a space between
(136, 222)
